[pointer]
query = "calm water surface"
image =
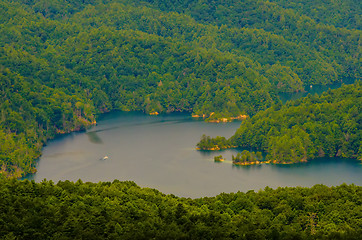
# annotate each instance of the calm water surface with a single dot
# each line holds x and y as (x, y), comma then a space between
(313, 89)
(159, 152)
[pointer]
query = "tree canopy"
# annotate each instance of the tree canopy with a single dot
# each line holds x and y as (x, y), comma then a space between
(303, 129)
(63, 62)
(122, 210)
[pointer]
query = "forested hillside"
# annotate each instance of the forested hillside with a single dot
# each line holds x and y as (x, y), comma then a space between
(122, 210)
(337, 49)
(63, 62)
(314, 126)
(346, 13)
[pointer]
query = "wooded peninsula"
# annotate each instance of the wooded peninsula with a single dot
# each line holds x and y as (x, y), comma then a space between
(311, 127)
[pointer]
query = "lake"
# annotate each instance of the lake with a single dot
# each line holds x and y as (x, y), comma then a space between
(313, 89)
(159, 152)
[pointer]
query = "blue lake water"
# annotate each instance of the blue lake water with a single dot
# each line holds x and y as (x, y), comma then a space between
(159, 152)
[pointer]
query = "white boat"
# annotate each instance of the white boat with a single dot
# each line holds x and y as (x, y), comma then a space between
(104, 158)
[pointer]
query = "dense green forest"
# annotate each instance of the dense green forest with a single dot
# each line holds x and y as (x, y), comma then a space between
(64, 62)
(122, 210)
(314, 126)
(247, 158)
(346, 13)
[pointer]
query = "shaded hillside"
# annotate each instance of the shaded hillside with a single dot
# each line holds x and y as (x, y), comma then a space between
(341, 45)
(340, 13)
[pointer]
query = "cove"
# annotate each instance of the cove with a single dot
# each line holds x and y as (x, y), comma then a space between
(159, 152)
(313, 89)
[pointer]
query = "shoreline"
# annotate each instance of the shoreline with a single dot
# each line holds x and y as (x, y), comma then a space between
(19, 173)
(219, 120)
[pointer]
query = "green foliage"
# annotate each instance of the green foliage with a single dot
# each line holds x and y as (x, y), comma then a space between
(218, 158)
(63, 62)
(326, 48)
(122, 210)
(315, 126)
(32, 113)
(346, 13)
(247, 158)
(217, 143)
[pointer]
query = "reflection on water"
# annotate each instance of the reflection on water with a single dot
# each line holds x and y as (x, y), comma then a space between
(159, 152)
(94, 138)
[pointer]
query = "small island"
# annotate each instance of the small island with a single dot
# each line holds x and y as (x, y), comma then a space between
(219, 158)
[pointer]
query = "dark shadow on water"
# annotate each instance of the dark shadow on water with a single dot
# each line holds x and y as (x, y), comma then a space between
(131, 116)
(325, 161)
(247, 167)
(161, 122)
(321, 164)
(94, 138)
